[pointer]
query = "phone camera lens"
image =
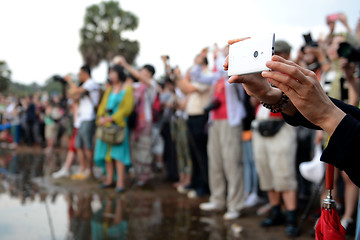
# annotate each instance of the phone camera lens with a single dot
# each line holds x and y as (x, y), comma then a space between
(256, 54)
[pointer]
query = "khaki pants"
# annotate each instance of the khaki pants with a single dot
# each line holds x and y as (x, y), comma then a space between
(275, 159)
(225, 165)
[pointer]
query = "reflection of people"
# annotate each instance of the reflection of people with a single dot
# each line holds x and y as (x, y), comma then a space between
(80, 215)
(109, 222)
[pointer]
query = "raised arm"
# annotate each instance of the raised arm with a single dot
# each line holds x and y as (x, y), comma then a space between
(184, 83)
(75, 92)
(122, 61)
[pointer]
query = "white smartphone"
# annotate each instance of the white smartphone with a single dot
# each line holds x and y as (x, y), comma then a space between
(250, 55)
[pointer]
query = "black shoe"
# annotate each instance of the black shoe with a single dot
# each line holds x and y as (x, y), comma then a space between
(104, 186)
(120, 190)
(273, 221)
(275, 218)
(291, 230)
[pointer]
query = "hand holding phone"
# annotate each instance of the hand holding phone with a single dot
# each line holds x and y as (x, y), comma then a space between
(333, 17)
(250, 55)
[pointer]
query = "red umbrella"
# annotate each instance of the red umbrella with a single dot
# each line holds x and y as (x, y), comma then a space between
(329, 226)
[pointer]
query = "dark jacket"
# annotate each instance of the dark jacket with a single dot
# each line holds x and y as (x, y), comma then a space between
(343, 150)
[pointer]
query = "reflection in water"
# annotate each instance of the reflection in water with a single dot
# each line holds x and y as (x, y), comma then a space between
(72, 210)
(108, 222)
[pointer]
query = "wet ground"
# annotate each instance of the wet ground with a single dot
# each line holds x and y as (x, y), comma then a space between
(35, 206)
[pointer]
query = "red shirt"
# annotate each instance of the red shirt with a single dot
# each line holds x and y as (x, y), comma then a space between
(219, 93)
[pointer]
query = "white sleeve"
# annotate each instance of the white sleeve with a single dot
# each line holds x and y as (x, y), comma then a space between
(90, 86)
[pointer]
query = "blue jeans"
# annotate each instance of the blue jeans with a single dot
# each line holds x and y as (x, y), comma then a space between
(357, 237)
(15, 132)
(251, 178)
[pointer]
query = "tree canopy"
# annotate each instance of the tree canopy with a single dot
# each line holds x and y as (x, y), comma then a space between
(5, 76)
(101, 33)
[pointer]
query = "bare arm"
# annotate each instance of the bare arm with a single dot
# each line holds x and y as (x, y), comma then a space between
(164, 58)
(75, 92)
(185, 85)
(121, 61)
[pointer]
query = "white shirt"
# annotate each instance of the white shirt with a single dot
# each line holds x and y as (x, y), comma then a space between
(86, 111)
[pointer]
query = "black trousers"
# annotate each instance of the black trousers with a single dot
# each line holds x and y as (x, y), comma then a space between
(198, 151)
(169, 153)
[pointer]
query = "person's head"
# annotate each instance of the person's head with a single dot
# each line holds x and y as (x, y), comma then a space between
(29, 98)
(334, 44)
(282, 49)
(308, 56)
(201, 60)
(84, 73)
(117, 74)
(169, 84)
(147, 71)
(130, 79)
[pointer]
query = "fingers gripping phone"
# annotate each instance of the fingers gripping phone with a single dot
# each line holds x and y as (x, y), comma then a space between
(250, 55)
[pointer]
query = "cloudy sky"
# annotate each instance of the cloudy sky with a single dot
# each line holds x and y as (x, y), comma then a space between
(40, 38)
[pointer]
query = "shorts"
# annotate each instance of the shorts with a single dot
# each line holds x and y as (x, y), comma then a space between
(85, 135)
(275, 159)
(51, 131)
(72, 140)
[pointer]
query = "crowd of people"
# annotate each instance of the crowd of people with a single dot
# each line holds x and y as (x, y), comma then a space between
(208, 135)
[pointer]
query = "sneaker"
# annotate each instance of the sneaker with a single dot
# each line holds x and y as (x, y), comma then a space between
(264, 209)
(348, 224)
(141, 183)
(209, 206)
(12, 146)
(62, 173)
(80, 175)
(182, 189)
(159, 166)
(252, 200)
(237, 230)
(209, 221)
(231, 215)
(192, 194)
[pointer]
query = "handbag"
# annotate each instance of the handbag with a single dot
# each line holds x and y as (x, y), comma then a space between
(313, 170)
(112, 135)
(270, 128)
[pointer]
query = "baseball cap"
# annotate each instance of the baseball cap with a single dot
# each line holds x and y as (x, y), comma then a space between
(282, 46)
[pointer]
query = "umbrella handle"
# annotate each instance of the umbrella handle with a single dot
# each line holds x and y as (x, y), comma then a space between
(329, 177)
